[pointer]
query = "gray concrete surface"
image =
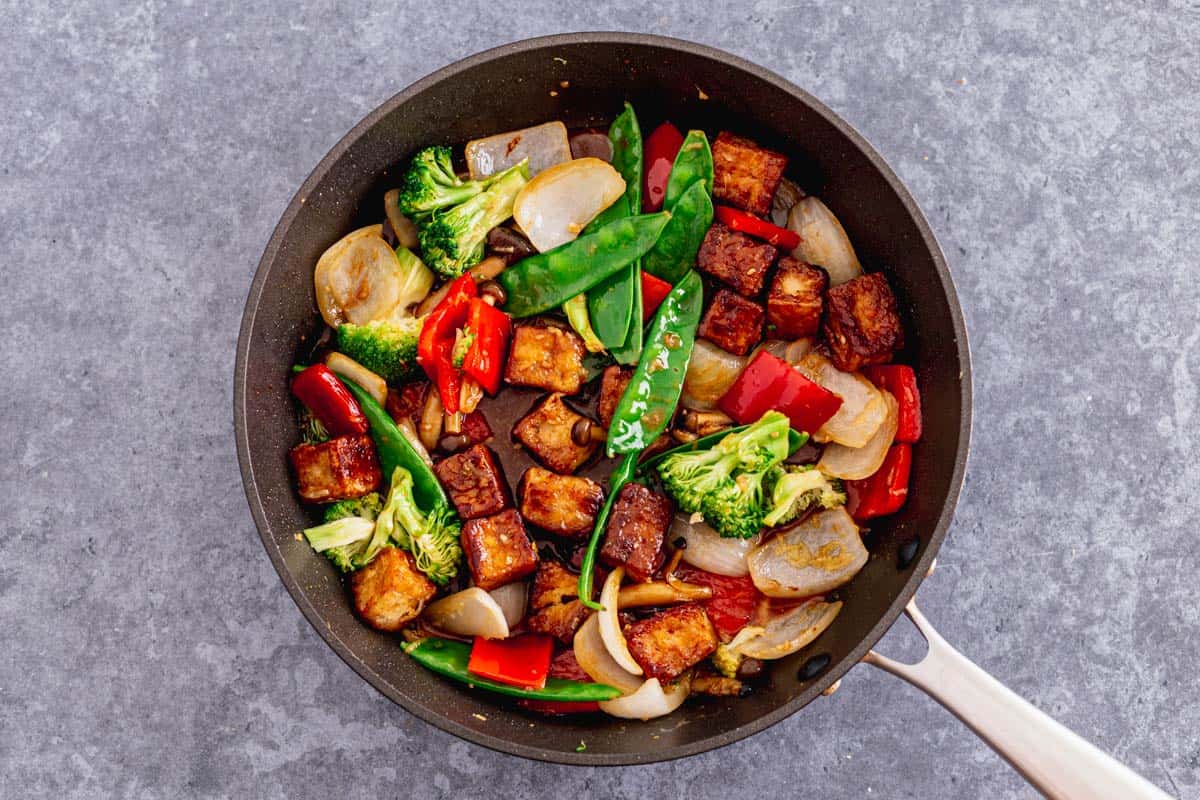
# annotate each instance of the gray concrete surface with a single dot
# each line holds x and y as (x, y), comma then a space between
(146, 151)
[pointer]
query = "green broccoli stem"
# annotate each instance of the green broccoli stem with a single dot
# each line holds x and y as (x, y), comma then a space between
(620, 476)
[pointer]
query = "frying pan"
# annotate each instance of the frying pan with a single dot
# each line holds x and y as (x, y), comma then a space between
(583, 79)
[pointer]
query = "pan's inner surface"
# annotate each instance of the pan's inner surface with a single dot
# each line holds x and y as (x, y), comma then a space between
(583, 80)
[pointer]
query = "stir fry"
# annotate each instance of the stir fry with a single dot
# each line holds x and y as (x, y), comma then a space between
(687, 323)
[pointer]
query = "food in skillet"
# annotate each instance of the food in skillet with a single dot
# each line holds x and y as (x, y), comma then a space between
(713, 413)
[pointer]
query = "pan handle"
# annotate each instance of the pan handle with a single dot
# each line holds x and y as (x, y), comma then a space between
(1057, 762)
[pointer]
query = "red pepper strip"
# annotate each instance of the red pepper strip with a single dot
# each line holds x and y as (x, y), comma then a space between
(436, 342)
(325, 396)
(566, 667)
(768, 382)
(654, 291)
(733, 599)
(661, 148)
(758, 228)
(520, 661)
(901, 381)
(485, 357)
(886, 490)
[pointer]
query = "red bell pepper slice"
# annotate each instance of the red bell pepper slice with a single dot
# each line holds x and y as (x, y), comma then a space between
(901, 381)
(327, 398)
(520, 661)
(565, 666)
(436, 343)
(661, 148)
(768, 382)
(733, 600)
(491, 328)
(758, 228)
(885, 491)
(654, 291)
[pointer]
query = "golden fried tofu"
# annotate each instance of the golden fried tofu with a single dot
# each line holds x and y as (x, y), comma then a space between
(563, 504)
(341, 468)
(390, 591)
(498, 549)
(672, 641)
(796, 299)
(547, 356)
(546, 432)
(475, 482)
(735, 259)
(636, 530)
(862, 324)
(744, 174)
(732, 323)
(554, 603)
(717, 686)
(613, 381)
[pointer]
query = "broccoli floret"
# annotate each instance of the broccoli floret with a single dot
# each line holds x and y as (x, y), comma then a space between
(800, 488)
(430, 184)
(367, 507)
(452, 239)
(463, 339)
(727, 660)
(312, 430)
(727, 483)
(386, 347)
(431, 538)
(342, 541)
(577, 314)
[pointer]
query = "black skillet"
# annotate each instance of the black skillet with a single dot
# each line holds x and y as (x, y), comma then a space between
(583, 79)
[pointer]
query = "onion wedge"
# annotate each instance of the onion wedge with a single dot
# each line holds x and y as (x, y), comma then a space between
(471, 612)
(787, 633)
(511, 599)
(650, 701)
(558, 202)
(610, 623)
(359, 279)
(816, 556)
(823, 241)
(863, 408)
(349, 368)
(709, 375)
(708, 550)
(594, 659)
(856, 463)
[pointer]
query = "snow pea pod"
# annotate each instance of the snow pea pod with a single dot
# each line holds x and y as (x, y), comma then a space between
(648, 403)
(547, 280)
(626, 137)
(694, 162)
(450, 658)
(675, 251)
(620, 476)
(610, 302)
(630, 349)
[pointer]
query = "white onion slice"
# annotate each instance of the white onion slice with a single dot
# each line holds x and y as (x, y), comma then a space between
(708, 550)
(710, 373)
(402, 226)
(650, 701)
(558, 202)
(544, 145)
(816, 556)
(856, 463)
(471, 612)
(594, 659)
(511, 599)
(863, 408)
(358, 279)
(349, 368)
(823, 241)
(785, 634)
(610, 623)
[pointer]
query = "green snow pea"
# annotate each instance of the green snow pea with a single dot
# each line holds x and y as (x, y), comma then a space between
(626, 138)
(675, 251)
(609, 302)
(630, 348)
(620, 476)
(694, 162)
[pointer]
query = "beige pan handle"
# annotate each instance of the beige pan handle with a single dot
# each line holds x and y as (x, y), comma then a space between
(1057, 762)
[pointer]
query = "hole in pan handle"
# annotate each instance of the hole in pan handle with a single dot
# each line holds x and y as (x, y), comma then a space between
(1056, 761)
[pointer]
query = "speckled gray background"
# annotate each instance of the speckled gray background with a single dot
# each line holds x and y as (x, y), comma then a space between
(148, 648)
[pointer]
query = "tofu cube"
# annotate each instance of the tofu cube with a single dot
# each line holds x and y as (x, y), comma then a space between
(475, 482)
(390, 592)
(562, 504)
(732, 323)
(546, 356)
(498, 549)
(554, 603)
(796, 299)
(613, 381)
(636, 530)
(341, 468)
(735, 259)
(672, 641)
(546, 432)
(862, 324)
(744, 174)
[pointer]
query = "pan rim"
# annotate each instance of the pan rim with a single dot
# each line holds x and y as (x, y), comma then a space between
(416, 705)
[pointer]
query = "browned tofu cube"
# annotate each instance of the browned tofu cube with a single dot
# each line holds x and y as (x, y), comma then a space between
(612, 385)
(735, 259)
(637, 527)
(475, 482)
(796, 299)
(862, 325)
(554, 602)
(390, 591)
(671, 641)
(717, 686)
(744, 174)
(498, 549)
(341, 468)
(546, 432)
(732, 323)
(407, 402)
(563, 504)
(546, 356)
